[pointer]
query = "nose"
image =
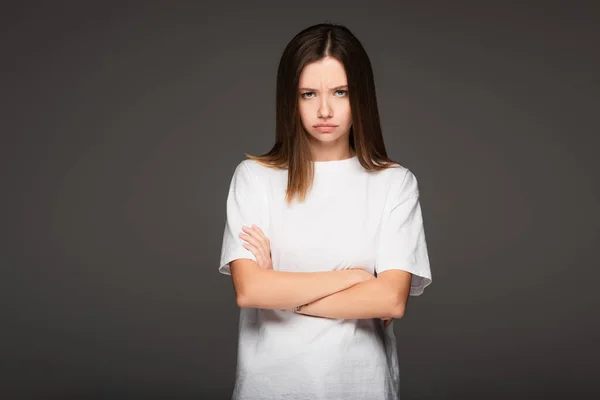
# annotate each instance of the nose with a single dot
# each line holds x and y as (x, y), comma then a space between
(325, 110)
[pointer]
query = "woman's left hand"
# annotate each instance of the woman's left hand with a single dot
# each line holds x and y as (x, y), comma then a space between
(386, 322)
(258, 244)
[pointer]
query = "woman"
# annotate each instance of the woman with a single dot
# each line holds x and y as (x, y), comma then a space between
(324, 238)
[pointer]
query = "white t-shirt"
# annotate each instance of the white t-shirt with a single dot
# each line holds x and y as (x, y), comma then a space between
(352, 218)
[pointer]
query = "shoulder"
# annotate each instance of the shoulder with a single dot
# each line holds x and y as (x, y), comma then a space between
(248, 167)
(255, 170)
(396, 175)
(249, 173)
(242, 177)
(399, 180)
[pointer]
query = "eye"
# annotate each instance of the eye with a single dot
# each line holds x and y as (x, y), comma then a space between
(344, 92)
(304, 95)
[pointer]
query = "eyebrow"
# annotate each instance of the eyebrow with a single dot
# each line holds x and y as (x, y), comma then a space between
(316, 90)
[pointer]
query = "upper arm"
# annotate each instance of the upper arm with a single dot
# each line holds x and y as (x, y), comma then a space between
(402, 245)
(242, 208)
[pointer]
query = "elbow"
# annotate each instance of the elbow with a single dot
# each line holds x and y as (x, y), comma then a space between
(395, 287)
(246, 299)
(249, 296)
(243, 300)
(398, 309)
(398, 300)
(243, 276)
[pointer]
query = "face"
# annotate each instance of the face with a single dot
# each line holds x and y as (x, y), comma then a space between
(323, 100)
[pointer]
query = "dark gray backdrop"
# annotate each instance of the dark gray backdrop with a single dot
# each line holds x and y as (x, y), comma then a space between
(123, 122)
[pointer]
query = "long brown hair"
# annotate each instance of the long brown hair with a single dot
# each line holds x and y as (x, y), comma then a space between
(291, 149)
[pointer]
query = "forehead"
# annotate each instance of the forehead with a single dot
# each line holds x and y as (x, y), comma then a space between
(327, 71)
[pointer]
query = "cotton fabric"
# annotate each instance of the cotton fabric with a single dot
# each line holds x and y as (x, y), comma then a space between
(352, 218)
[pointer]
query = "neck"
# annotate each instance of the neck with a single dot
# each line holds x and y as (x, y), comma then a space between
(337, 156)
(330, 153)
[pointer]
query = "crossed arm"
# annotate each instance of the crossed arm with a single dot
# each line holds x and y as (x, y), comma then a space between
(345, 294)
(383, 297)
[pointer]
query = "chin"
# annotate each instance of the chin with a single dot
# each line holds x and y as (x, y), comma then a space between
(325, 137)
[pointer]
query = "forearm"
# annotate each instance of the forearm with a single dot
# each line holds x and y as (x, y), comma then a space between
(282, 290)
(374, 298)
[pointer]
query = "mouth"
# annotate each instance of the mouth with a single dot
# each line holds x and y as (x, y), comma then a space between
(325, 128)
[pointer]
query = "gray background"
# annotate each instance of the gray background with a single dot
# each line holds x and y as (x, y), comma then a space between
(123, 122)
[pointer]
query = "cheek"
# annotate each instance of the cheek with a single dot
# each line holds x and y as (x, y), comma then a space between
(347, 114)
(304, 112)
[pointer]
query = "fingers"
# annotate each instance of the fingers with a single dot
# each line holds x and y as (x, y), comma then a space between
(256, 232)
(257, 243)
(260, 240)
(253, 245)
(252, 249)
(262, 235)
(252, 240)
(257, 253)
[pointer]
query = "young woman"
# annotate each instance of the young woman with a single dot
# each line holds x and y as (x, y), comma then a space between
(324, 237)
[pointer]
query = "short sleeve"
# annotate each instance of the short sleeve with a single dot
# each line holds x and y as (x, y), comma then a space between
(242, 209)
(402, 243)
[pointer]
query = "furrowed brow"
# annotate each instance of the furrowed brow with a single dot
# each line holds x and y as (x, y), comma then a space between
(335, 88)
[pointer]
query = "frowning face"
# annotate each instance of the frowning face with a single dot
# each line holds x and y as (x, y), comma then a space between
(323, 103)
